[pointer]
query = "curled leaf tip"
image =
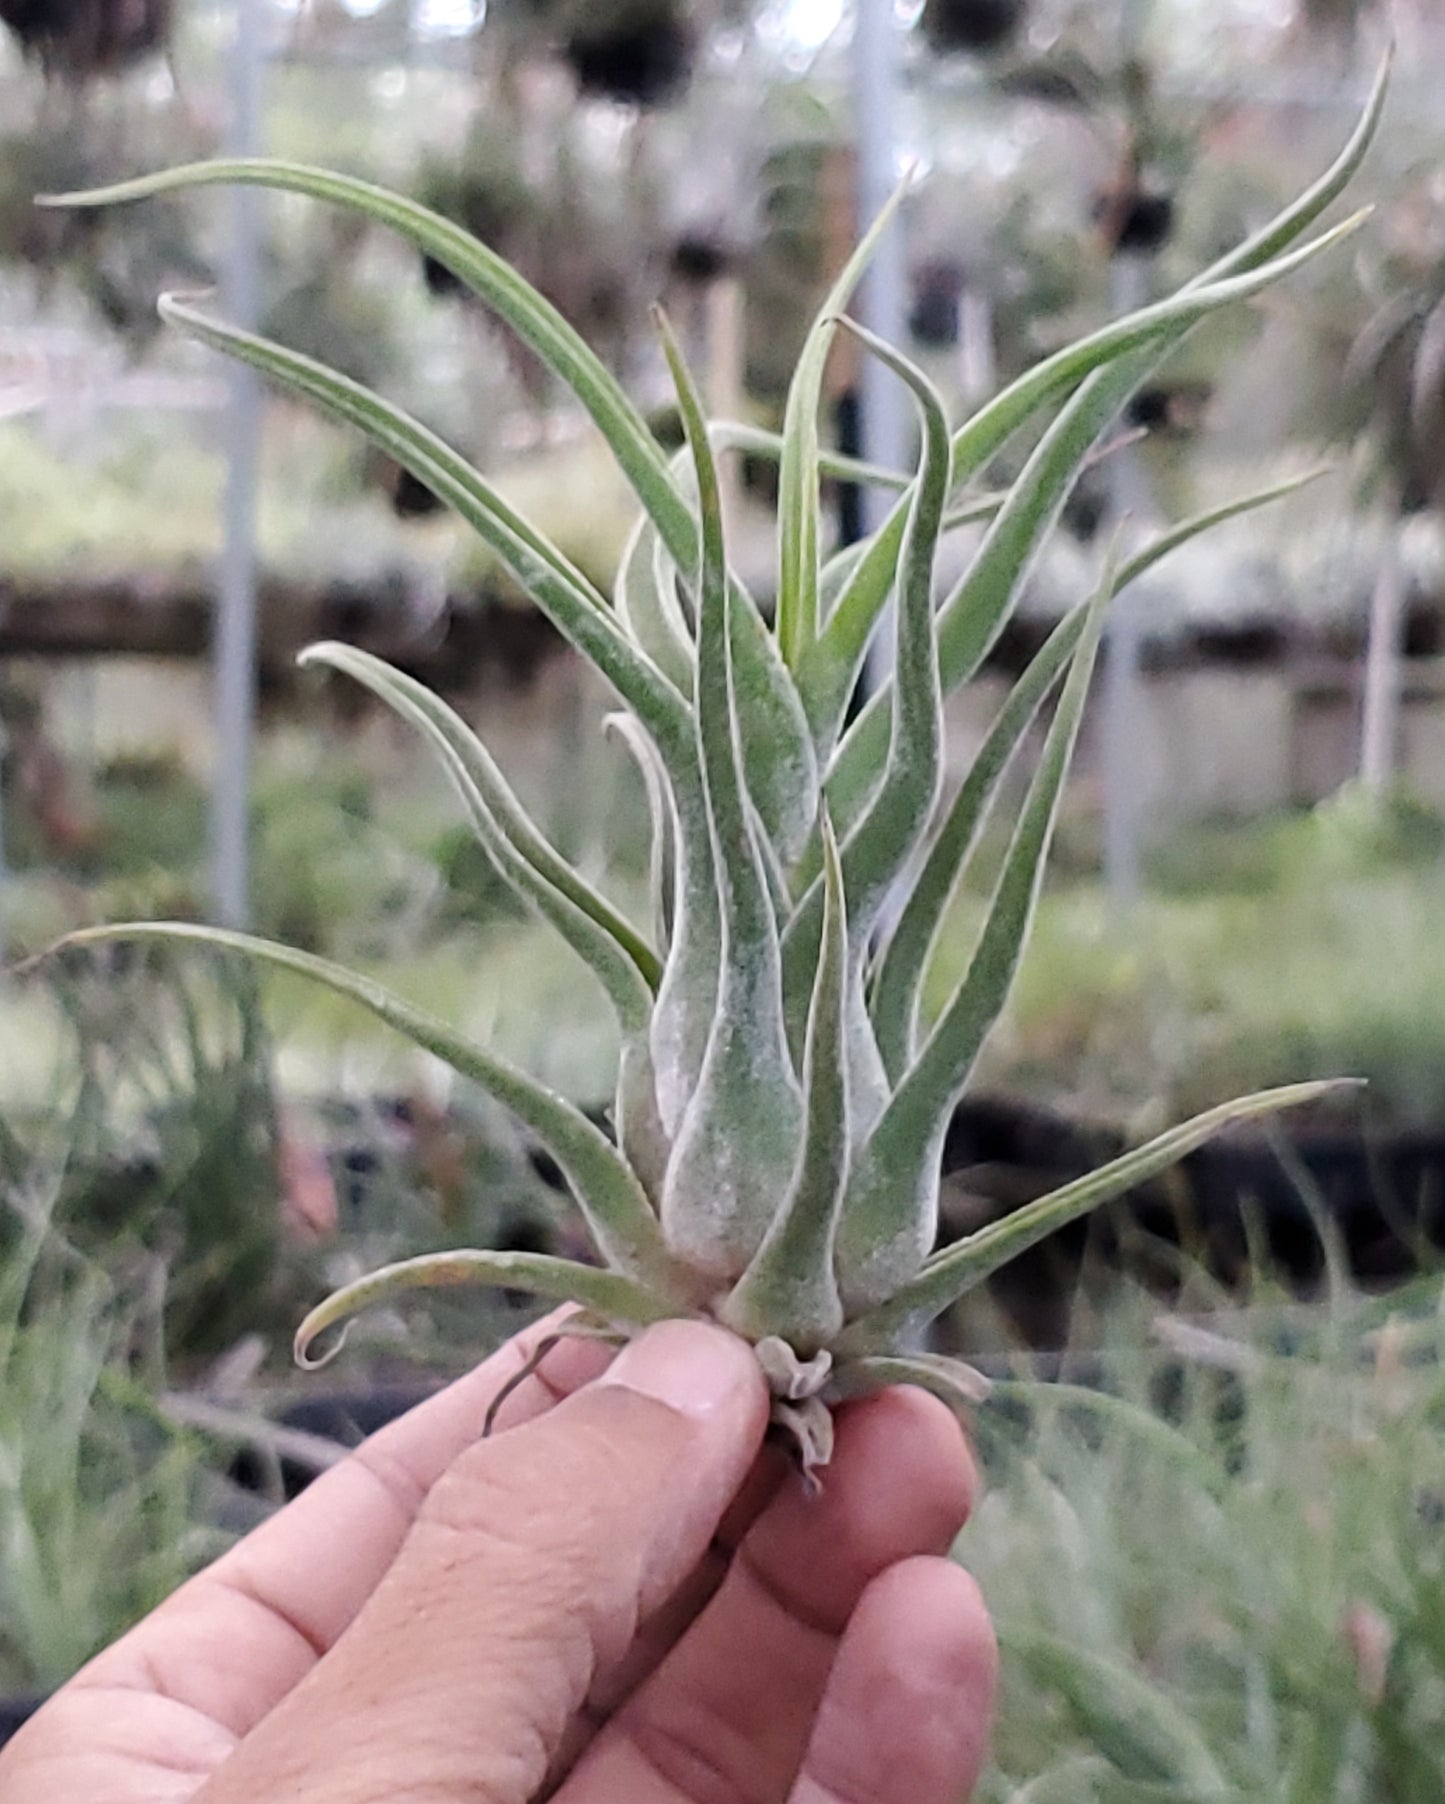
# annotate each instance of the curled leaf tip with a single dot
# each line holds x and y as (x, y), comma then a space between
(306, 1335)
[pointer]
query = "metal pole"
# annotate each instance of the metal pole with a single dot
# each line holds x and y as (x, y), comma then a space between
(1380, 721)
(234, 648)
(1123, 651)
(882, 302)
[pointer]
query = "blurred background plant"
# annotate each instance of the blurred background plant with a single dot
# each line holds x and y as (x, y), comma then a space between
(1285, 1638)
(102, 1500)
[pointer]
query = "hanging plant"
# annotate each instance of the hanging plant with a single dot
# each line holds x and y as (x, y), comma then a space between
(787, 267)
(117, 269)
(1176, 408)
(1393, 381)
(639, 54)
(933, 319)
(77, 40)
(971, 25)
(1135, 218)
(699, 259)
(1339, 19)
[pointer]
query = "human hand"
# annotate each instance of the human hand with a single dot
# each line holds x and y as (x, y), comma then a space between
(614, 1601)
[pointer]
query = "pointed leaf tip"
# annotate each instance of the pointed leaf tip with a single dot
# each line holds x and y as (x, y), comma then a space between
(959, 1268)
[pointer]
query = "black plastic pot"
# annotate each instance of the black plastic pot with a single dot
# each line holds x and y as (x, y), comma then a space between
(411, 499)
(80, 39)
(971, 25)
(699, 259)
(640, 61)
(934, 317)
(1380, 1193)
(345, 1417)
(1139, 222)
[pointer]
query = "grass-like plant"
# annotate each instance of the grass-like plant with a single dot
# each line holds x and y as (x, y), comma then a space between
(102, 1498)
(1287, 1639)
(780, 1106)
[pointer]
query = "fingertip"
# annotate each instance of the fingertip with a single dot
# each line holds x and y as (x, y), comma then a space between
(696, 1368)
(910, 1703)
(918, 1442)
(926, 1618)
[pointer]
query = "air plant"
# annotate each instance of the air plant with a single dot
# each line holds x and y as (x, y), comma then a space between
(780, 1104)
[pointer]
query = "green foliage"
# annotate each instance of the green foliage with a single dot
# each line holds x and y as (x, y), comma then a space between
(101, 1499)
(157, 1146)
(1284, 1635)
(770, 1169)
(1294, 946)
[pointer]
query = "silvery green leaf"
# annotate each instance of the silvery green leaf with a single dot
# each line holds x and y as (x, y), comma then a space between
(972, 616)
(1147, 1738)
(686, 1004)
(854, 587)
(662, 873)
(829, 669)
(1159, 547)
(772, 868)
(757, 441)
(877, 849)
(788, 1289)
(881, 840)
(563, 594)
(779, 764)
(962, 1267)
(798, 554)
(622, 962)
(626, 966)
(606, 1294)
(891, 1210)
(1114, 360)
(675, 599)
(1048, 477)
(1301, 213)
(1162, 322)
(612, 1201)
(716, 1205)
(534, 319)
(898, 983)
(646, 609)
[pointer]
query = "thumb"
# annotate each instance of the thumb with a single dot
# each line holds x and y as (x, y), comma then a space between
(528, 1570)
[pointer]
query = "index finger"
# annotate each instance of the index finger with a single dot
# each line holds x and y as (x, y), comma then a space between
(239, 1636)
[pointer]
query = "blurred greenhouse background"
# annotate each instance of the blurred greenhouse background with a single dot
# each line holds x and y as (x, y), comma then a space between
(1213, 1538)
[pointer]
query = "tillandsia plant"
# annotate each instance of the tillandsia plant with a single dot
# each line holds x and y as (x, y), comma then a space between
(780, 1104)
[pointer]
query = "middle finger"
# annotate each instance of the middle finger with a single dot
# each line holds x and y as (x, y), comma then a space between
(726, 1715)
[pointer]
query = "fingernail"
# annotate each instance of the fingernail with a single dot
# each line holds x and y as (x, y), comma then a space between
(690, 1366)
